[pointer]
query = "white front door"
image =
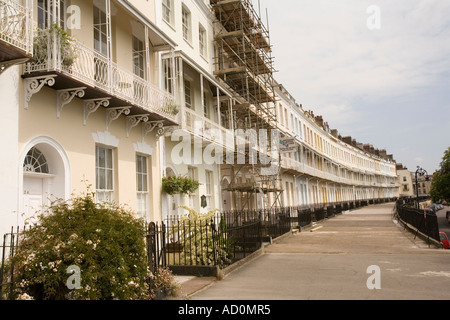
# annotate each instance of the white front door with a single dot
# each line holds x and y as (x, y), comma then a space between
(33, 197)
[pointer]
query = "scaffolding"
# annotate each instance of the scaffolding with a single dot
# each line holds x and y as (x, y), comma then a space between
(244, 63)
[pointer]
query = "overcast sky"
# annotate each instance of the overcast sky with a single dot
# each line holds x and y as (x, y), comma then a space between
(389, 87)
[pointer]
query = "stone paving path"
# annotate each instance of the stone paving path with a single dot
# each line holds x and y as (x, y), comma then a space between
(332, 263)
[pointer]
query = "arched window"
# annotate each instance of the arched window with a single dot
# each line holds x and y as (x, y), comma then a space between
(35, 162)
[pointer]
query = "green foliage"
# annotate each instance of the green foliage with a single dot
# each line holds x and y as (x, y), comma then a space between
(45, 38)
(205, 245)
(177, 185)
(106, 242)
(440, 188)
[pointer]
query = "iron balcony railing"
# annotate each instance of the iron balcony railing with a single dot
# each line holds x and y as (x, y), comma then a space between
(16, 25)
(206, 128)
(76, 60)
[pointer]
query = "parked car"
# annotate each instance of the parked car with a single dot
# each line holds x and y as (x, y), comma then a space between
(436, 207)
(444, 240)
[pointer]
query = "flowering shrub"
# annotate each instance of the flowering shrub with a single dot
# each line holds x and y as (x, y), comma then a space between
(162, 282)
(106, 243)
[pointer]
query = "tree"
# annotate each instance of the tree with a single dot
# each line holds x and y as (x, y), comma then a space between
(440, 188)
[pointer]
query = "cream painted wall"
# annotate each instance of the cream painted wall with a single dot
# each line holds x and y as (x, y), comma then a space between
(78, 142)
(182, 170)
(86, 33)
(122, 40)
(146, 7)
(199, 16)
(9, 121)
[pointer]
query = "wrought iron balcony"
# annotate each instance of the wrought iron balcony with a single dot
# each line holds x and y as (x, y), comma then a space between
(205, 128)
(16, 36)
(68, 63)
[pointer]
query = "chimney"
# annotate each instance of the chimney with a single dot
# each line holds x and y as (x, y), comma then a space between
(347, 140)
(335, 133)
(319, 121)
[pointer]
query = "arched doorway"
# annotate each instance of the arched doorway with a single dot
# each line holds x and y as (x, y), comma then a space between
(44, 177)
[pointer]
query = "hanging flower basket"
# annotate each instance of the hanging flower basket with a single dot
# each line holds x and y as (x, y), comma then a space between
(179, 185)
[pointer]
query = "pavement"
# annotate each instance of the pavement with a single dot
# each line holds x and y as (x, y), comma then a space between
(332, 260)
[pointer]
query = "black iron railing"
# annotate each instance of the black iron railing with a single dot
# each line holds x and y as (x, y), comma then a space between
(219, 240)
(7, 272)
(423, 220)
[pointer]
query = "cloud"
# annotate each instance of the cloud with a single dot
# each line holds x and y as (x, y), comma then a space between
(335, 56)
(419, 160)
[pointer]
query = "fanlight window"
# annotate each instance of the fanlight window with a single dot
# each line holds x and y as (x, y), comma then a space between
(35, 162)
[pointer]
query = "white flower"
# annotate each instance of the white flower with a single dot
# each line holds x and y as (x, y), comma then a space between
(24, 296)
(23, 283)
(89, 242)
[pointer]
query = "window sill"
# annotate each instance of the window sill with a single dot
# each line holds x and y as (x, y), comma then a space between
(188, 42)
(171, 26)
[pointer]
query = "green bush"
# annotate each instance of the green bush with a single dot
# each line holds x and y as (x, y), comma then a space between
(106, 243)
(205, 247)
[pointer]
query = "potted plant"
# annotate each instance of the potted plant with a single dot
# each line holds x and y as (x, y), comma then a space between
(174, 109)
(45, 39)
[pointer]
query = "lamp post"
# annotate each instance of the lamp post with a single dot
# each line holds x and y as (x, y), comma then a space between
(420, 172)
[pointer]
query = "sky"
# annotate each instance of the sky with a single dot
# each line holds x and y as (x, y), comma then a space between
(378, 71)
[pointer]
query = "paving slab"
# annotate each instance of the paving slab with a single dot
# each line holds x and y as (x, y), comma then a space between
(333, 263)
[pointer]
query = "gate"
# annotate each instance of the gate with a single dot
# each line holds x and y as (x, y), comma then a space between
(156, 247)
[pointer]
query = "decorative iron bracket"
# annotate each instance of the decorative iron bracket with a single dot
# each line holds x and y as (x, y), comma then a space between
(114, 113)
(34, 85)
(6, 64)
(66, 96)
(92, 105)
(150, 126)
(133, 121)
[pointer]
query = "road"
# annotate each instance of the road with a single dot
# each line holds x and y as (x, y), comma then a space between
(333, 263)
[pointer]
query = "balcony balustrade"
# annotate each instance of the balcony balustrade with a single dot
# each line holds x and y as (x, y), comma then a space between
(80, 65)
(206, 128)
(16, 35)
(294, 166)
